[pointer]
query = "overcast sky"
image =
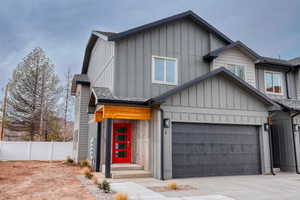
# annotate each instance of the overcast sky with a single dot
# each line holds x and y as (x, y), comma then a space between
(62, 27)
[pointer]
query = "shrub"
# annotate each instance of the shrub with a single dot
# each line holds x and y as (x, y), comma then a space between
(121, 196)
(105, 186)
(95, 180)
(172, 186)
(69, 160)
(86, 171)
(84, 163)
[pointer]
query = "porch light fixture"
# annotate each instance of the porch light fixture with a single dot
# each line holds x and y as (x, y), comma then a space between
(166, 123)
(266, 126)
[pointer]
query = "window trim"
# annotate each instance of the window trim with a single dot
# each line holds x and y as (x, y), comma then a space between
(273, 72)
(165, 82)
(237, 65)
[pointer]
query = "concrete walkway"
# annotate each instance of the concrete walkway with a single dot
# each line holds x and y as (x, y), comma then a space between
(138, 192)
(283, 186)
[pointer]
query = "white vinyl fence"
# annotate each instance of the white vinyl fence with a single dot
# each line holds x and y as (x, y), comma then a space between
(35, 150)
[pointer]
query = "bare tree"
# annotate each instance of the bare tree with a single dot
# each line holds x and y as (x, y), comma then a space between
(68, 100)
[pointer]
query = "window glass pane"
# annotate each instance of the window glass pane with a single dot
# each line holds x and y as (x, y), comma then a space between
(120, 145)
(237, 70)
(121, 138)
(170, 71)
(120, 154)
(269, 82)
(121, 129)
(231, 68)
(159, 69)
(277, 83)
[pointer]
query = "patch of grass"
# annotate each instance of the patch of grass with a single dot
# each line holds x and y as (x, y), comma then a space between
(172, 186)
(121, 196)
(86, 171)
(84, 163)
(69, 160)
(95, 180)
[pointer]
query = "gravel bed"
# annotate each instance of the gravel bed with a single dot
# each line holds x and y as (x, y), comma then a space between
(94, 190)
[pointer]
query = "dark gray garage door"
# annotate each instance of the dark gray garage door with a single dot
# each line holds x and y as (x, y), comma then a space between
(214, 150)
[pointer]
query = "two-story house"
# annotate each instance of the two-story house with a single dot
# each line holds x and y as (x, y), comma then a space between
(178, 98)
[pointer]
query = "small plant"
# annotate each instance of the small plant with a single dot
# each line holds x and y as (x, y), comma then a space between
(84, 163)
(95, 180)
(105, 186)
(121, 196)
(69, 160)
(172, 186)
(86, 171)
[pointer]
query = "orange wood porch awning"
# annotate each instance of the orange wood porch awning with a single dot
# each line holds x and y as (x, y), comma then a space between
(122, 112)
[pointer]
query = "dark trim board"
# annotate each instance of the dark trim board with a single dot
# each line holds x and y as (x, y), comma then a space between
(201, 149)
(161, 98)
(188, 14)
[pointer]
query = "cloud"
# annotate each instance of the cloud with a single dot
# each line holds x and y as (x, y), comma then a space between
(62, 28)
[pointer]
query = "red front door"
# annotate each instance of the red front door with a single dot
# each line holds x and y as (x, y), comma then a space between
(121, 148)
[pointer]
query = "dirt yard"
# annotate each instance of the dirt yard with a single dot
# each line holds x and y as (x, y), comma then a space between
(35, 180)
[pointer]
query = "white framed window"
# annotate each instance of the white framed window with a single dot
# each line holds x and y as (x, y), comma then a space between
(164, 70)
(237, 70)
(273, 82)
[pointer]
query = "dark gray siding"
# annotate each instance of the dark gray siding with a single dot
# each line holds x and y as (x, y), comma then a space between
(282, 129)
(181, 39)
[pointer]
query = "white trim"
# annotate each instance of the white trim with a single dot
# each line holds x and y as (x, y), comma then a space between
(273, 72)
(165, 82)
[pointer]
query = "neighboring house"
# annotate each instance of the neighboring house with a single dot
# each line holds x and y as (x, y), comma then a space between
(181, 99)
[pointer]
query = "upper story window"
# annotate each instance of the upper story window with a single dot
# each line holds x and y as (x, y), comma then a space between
(164, 70)
(273, 82)
(237, 70)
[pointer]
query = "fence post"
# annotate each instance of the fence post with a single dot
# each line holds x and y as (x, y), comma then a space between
(29, 150)
(51, 151)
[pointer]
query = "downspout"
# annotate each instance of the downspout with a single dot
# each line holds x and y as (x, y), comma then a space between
(162, 141)
(271, 148)
(294, 142)
(287, 84)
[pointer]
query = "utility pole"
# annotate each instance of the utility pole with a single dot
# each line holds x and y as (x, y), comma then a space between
(4, 112)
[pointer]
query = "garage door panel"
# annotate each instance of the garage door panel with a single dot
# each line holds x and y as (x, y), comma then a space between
(211, 150)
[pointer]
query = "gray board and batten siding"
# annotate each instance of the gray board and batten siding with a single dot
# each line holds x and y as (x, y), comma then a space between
(182, 39)
(216, 100)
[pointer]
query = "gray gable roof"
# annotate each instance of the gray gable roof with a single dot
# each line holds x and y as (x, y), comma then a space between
(79, 79)
(213, 54)
(111, 36)
(104, 95)
(161, 98)
(276, 62)
(188, 14)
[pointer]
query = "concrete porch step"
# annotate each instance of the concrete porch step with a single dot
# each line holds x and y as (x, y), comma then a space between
(122, 167)
(130, 174)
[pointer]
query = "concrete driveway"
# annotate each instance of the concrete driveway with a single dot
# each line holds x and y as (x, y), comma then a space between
(283, 186)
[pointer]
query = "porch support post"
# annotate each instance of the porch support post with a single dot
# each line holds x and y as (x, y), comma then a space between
(108, 148)
(98, 147)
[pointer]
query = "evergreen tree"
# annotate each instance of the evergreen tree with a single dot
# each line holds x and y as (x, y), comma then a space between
(33, 94)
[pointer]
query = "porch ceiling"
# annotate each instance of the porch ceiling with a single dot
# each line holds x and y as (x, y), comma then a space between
(123, 112)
